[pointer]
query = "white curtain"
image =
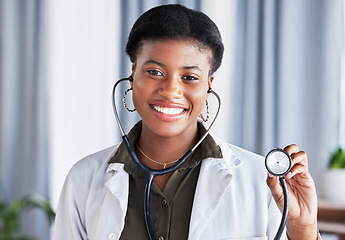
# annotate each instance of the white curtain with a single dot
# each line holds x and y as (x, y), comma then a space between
(224, 14)
(83, 63)
(86, 55)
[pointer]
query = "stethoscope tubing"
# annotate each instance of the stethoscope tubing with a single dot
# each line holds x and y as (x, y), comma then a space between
(285, 209)
(152, 173)
(282, 182)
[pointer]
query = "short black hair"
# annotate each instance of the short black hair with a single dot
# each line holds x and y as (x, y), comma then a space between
(174, 21)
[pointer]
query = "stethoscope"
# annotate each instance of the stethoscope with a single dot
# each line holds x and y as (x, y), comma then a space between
(278, 163)
(272, 159)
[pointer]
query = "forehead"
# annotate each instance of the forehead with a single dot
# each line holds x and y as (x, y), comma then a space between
(185, 50)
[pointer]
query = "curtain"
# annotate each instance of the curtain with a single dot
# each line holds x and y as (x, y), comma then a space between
(279, 82)
(86, 52)
(83, 63)
(287, 77)
(224, 14)
(341, 119)
(23, 119)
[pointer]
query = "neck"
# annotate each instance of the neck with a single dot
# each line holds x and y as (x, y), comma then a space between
(165, 149)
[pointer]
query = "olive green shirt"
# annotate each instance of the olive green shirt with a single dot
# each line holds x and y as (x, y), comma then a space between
(171, 208)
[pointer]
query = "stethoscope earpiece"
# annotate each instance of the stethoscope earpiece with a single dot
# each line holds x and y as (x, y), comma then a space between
(278, 162)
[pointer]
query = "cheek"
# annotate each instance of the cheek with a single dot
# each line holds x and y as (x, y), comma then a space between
(140, 93)
(136, 96)
(199, 101)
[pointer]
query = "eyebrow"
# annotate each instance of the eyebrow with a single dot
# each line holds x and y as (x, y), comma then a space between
(155, 62)
(162, 65)
(192, 67)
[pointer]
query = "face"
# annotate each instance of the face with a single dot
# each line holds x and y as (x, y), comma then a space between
(171, 79)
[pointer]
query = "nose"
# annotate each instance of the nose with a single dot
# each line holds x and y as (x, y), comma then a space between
(171, 88)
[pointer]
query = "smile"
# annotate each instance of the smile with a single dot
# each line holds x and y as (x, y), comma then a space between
(168, 111)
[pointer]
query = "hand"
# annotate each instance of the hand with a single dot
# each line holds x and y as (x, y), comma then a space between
(302, 213)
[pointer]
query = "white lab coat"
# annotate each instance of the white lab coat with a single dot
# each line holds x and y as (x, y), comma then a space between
(232, 200)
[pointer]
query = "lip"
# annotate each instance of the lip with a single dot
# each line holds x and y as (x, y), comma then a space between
(168, 111)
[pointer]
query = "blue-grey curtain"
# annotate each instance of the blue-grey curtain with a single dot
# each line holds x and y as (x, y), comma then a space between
(288, 76)
(256, 83)
(23, 129)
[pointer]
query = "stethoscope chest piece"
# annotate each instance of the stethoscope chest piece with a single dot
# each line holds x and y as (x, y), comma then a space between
(278, 162)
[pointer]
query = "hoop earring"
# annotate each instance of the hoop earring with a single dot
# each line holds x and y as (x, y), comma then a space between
(207, 112)
(124, 100)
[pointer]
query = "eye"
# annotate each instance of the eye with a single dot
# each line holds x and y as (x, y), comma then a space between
(154, 72)
(190, 78)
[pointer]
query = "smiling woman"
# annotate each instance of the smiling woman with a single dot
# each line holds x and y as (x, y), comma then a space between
(169, 93)
(173, 76)
(219, 192)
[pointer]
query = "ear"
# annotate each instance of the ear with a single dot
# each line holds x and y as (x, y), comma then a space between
(132, 74)
(210, 80)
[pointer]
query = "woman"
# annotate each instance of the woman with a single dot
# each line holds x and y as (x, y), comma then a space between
(220, 192)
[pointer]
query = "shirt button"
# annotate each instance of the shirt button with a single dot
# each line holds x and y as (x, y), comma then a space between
(164, 202)
(161, 238)
(111, 236)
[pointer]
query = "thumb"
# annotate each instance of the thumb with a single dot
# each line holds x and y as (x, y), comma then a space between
(277, 192)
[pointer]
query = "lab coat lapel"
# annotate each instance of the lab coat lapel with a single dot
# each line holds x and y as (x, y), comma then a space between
(115, 211)
(213, 182)
(214, 179)
(118, 183)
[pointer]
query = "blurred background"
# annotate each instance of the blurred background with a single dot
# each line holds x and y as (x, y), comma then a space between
(282, 81)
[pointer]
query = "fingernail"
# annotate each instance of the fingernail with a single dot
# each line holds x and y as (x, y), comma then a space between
(270, 175)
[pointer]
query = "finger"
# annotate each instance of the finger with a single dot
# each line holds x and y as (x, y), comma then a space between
(300, 158)
(301, 155)
(290, 149)
(295, 170)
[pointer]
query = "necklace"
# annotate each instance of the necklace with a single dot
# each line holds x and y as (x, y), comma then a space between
(160, 163)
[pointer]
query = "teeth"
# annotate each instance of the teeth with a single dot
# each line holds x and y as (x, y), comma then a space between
(168, 111)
